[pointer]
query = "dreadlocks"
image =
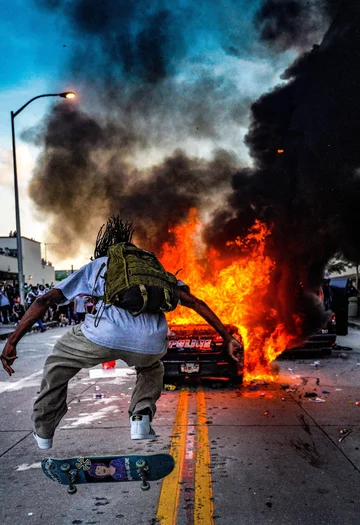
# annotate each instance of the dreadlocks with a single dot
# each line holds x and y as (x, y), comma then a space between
(111, 233)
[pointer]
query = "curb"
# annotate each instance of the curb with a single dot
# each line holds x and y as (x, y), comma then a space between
(354, 325)
(50, 324)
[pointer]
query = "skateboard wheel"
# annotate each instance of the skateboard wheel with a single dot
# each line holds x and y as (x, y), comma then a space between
(145, 486)
(140, 464)
(65, 467)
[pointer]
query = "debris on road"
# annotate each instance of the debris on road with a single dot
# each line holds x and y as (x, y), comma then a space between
(344, 433)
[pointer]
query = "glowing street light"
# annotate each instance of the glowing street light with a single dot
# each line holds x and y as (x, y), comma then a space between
(66, 94)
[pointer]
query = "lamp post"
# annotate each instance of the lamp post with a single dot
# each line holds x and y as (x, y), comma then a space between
(67, 94)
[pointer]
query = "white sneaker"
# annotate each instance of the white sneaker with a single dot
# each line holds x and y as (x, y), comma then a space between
(42, 442)
(141, 428)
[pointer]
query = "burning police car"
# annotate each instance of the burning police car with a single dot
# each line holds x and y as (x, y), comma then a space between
(197, 350)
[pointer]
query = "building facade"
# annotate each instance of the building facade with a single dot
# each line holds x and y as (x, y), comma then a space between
(36, 269)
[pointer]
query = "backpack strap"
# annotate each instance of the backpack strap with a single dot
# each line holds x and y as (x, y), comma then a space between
(101, 310)
(145, 298)
(123, 249)
(96, 279)
(166, 306)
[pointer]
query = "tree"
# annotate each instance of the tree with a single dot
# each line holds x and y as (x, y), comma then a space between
(339, 264)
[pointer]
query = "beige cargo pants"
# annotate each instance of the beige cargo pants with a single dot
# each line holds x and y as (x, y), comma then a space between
(72, 352)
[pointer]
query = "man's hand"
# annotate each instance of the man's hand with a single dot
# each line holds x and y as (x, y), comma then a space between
(8, 356)
(35, 312)
(236, 350)
(234, 347)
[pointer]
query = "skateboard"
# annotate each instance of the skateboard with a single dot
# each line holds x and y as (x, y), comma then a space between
(104, 469)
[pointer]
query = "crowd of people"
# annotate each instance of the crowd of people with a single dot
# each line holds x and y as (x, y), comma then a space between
(12, 311)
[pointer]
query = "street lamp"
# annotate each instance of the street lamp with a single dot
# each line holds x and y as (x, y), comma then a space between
(66, 94)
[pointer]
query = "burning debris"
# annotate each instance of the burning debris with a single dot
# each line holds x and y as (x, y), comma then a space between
(255, 250)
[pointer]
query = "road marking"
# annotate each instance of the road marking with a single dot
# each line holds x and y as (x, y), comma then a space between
(204, 508)
(89, 419)
(188, 474)
(27, 466)
(18, 385)
(170, 489)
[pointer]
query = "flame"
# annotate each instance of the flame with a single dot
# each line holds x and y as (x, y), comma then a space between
(234, 288)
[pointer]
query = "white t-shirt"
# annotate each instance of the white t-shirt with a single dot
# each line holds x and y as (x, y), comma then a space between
(117, 328)
(79, 303)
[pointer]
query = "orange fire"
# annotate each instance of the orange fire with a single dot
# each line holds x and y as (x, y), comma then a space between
(235, 289)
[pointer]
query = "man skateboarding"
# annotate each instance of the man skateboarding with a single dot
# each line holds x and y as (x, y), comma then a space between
(113, 332)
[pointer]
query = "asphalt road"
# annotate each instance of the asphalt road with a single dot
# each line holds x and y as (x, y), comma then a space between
(275, 455)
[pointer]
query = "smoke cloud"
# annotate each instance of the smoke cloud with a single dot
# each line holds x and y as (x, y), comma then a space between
(151, 96)
(308, 192)
(286, 24)
(144, 68)
(86, 174)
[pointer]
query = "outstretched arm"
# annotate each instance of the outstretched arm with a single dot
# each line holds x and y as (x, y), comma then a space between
(235, 347)
(35, 312)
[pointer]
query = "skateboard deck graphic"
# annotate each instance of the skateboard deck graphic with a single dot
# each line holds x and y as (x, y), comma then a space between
(105, 469)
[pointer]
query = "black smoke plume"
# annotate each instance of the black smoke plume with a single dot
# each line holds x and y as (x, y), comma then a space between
(86, 174)
(285, 24)
(310, 189)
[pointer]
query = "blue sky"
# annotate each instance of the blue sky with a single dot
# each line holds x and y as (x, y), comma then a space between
(37, 46)
(33, 55)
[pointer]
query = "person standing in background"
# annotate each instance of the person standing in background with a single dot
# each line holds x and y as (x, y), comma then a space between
(79, 308)
(18, 311)
(4, 305)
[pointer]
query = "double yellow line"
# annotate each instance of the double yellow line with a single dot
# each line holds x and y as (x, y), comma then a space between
(170, 491)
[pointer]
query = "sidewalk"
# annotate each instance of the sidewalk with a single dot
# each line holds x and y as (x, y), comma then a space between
(7, 329)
